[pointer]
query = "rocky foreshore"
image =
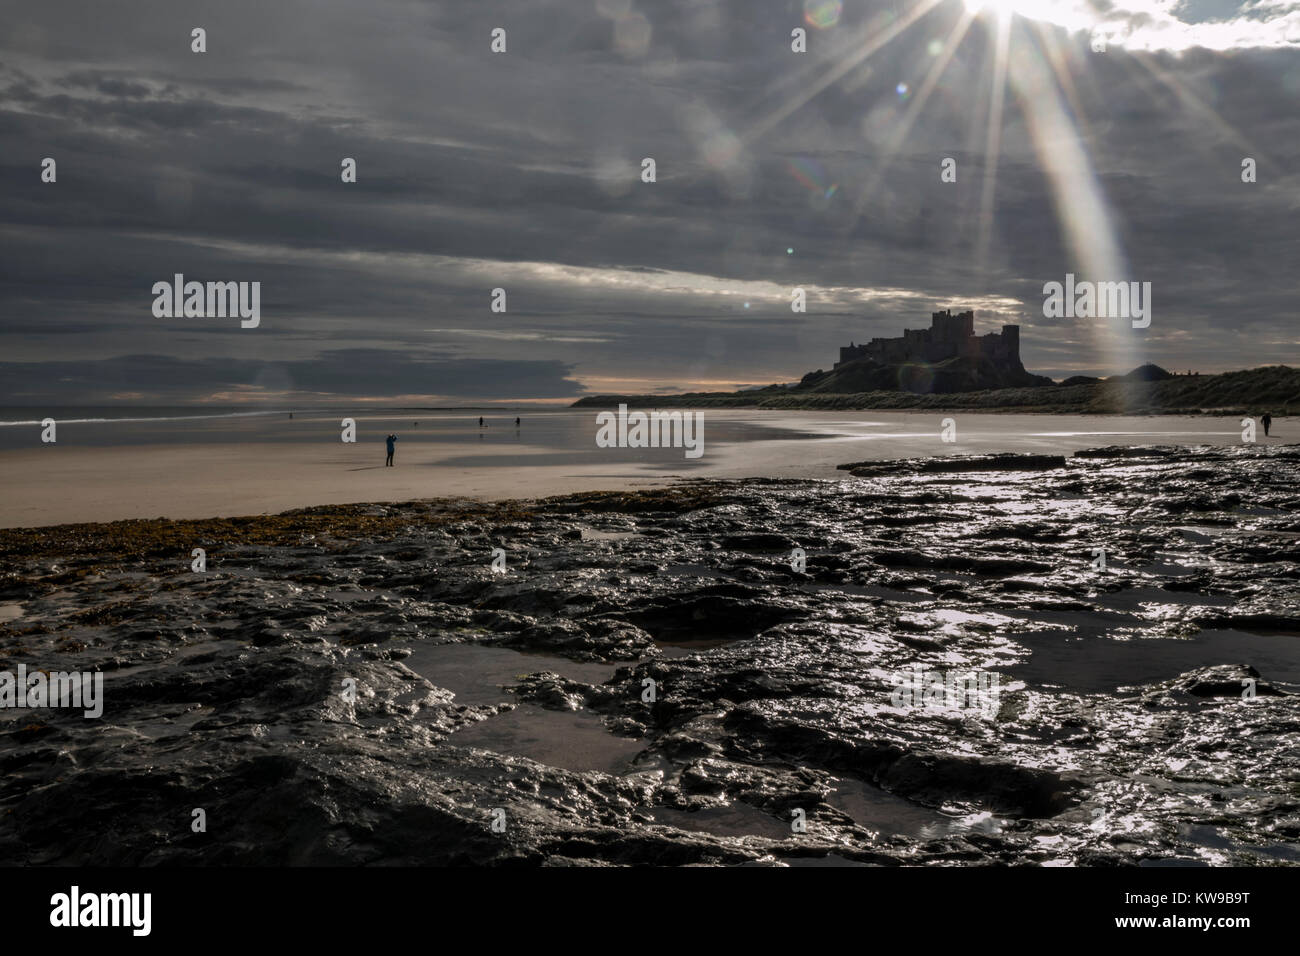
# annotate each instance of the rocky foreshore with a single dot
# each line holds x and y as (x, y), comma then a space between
(1088, 662)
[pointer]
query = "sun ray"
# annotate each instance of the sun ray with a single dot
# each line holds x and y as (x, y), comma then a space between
(1048, 43)
(909, 117)
(1197, 107)
(993, 141)
(876, 43)
(1082, 210)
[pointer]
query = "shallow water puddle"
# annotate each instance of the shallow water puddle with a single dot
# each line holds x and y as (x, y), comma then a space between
(1149, 599)
(476, 673)
(573, 740)
(872, 590)
(870, 807)
(671, 650)
(831, 859)
(588, 534)
(1214, 845)
(890, 815)
(949, 621)
(736, 819)
(1096, 664)
(10, 612)
(173, 725)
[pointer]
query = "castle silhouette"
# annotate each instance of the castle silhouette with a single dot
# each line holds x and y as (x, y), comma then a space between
(949, 336)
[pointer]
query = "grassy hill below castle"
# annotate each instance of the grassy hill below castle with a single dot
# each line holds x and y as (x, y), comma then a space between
(958, 374)
(1147, 390)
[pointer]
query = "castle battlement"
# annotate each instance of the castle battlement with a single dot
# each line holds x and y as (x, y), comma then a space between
(949, 336)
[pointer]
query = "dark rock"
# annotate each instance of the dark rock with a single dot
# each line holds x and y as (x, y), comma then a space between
(673, 696)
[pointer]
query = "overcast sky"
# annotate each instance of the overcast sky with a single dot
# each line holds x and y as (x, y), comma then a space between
(522, 170)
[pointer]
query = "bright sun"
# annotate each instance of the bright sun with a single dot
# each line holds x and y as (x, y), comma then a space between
(1071, 14)
(1003, 8)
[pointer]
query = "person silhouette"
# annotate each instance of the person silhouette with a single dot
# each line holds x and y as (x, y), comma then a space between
(1266, 421)
(480, 421)
(392, 440)
(516, 422)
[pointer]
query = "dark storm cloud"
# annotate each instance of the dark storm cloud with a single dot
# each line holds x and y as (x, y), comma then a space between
(225, 166)
(160, 378)
(123, 83)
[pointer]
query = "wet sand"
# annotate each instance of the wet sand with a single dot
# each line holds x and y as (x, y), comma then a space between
(96, 471)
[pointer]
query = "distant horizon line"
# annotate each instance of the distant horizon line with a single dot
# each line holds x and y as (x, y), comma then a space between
(254, 406)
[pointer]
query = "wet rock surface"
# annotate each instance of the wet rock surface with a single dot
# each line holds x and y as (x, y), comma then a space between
(935, 466)
(662, 678)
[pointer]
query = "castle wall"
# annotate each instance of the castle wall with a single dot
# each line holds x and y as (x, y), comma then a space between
(949, 336)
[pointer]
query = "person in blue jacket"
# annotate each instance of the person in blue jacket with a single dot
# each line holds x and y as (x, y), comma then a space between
(391, 439)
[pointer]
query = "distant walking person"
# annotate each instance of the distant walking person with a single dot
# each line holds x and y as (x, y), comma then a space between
(480, 421)
(1266, 421)
(516, 423)
(392, 440)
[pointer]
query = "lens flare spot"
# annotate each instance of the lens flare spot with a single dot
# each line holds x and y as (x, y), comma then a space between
(632, 35)
(614, 9)
(903, 91)
(822, 14)
(915, 378)
(721, 149)
(811, 176)
(934, 48)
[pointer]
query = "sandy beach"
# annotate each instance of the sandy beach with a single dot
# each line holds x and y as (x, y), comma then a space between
(116, 477)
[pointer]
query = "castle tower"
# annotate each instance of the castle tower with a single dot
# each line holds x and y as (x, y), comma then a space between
(1011, 342)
